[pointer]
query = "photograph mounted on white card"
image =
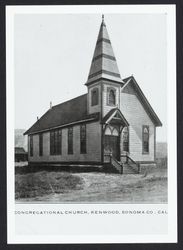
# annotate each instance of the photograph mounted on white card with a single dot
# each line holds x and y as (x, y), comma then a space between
(99, 140)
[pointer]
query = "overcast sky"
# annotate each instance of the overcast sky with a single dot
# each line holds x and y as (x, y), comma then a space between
(53, 53)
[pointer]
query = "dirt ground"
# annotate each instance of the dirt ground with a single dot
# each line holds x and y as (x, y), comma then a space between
(93, 187)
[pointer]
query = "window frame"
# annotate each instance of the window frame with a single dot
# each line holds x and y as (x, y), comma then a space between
(70, 141)
(31, 146)
(56, 142)
(41, 144)
(143, 146)
(126, 141)
(83, 141)
(94, 90)
(109, 89)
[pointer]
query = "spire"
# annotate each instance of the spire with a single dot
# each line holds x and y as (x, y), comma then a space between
(102, 17)
(104, 62)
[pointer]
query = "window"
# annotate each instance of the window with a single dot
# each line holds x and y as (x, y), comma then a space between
(40, 144)
(83, 139)
(145, 139)
(70, 140)
(111, 97)
(56, 142)
(94, 98)
(31, 145)
(125, 137)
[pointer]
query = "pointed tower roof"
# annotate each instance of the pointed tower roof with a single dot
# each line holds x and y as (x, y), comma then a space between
(104, 63)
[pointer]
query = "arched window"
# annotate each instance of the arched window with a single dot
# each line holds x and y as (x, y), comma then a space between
(125, 138)
(108, 131)
(94, 97)
(112, 97)
(145, 138)
(115, 132)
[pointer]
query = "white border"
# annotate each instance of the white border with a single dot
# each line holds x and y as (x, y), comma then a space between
(172, 135)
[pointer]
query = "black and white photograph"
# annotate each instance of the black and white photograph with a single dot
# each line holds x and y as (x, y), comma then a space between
(85, 129)
(91, 123)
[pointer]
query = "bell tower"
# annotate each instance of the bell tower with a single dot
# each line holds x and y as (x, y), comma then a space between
(104, 80)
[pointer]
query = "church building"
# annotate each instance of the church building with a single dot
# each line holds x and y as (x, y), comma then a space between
(112, 125)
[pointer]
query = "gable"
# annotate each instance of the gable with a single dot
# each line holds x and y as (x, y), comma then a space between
(116, 115)
(131, 87)
(128, 89)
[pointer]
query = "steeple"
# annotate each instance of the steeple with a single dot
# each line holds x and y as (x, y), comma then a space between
(104, 63)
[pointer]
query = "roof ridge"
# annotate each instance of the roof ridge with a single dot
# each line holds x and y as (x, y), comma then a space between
(68, 100)
(126, 78)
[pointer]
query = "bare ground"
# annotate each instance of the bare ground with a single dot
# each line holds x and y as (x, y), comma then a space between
(61, 187)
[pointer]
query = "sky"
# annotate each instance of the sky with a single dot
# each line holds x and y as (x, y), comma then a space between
(53, 54)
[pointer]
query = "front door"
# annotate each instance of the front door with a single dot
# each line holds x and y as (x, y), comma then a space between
(111, 144)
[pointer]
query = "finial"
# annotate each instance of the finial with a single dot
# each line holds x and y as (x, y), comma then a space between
(102, 17)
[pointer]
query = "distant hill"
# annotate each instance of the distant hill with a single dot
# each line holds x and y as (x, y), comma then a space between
(20, 139)
(161, 149)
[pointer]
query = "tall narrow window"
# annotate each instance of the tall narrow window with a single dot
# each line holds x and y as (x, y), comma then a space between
(111, 97)
(40, 144)
(83, 139)
(31, 145)
(125, 137)
(145, 139)
(56, 142)
(70, 140)
(59, 148)
(51, 142)
(94, 97)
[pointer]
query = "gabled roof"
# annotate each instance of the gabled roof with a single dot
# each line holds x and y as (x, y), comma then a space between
(104, 63)
(114, 113)
(143, 100)
(19, 150)
(69, 112)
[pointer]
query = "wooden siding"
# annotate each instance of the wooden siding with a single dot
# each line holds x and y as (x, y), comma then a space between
(106, 107)
(96, 108)
(93, 142)
(136, 116)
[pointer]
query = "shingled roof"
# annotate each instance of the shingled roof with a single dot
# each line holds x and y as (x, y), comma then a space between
(104, 63)
(72, 111)
(20, 150)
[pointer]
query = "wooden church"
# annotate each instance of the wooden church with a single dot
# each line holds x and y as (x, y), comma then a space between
(112, 125)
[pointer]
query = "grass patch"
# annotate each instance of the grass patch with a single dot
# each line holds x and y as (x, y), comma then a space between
(44, 183)
(62, 186)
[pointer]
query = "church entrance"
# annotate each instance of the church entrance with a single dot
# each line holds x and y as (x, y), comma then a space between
(112, 145)
(113, 124)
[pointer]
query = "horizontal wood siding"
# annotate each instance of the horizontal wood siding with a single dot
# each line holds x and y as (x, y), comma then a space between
(96, 108)
(93, 141)
(136, 116)
(106, 107)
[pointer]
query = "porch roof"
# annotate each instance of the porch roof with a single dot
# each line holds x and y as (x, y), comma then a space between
(115, 115)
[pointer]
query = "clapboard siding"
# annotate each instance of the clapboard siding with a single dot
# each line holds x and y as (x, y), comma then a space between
(136, 116)
(106, 107)
(96, 108)
(93, 141)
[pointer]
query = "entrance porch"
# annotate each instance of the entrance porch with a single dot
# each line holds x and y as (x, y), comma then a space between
(115, 143)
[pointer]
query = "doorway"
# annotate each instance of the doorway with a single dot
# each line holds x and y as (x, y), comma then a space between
(112, 145)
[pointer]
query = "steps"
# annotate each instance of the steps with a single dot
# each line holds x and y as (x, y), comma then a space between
(117, 165)
(126, 166)
(131, 168)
